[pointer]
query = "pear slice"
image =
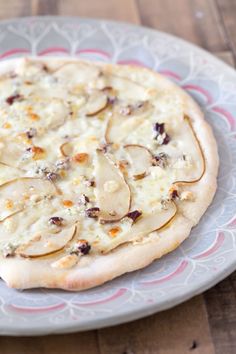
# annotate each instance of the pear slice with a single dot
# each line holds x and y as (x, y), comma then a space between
(79, 73)
(6, 171)
(141, 160)
(16, 193)
(189, 138)
(96, 103)
(146, 224)
(126, 88)
(46, 243)
(112, 191)
(11, 152)
(125, 120)
(119, 127)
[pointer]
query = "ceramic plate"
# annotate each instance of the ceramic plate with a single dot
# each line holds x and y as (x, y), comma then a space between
(209, 254)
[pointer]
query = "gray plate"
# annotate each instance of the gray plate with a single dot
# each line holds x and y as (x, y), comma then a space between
(209, 254)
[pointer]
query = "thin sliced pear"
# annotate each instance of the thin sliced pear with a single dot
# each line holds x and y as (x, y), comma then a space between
(47, 243)
(144, 226)
(96, 103)
(112, 191)
(126, 88)
(15, 193)
(140, 158)
(189, 138)
(6, 171)
(120, 127)
(11, 152)
(79, 73)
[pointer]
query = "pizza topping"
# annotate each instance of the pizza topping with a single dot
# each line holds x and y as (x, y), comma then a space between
(161, 136)
(96, 103)
(125, 111)
(161, 160)
(120, 127)
(148, 223)
(83, 200)
(36, 152)
(56, 220)
(16, 191)
(81, 248)
(67, 203)
(11, 99)
(174, 193)
(114, 231)
(47, 243)
(81, 157)
(63, 164)
(134, 215)
(141, 160)
(52, 176)
(111, 186)
(31, 133)
(119, 199)
(111, 94)
(191, 170)
(9, 250)
(92, 212)
(89, 182)
(7, 125)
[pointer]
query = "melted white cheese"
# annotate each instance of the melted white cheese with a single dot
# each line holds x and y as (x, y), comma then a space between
(54, 105)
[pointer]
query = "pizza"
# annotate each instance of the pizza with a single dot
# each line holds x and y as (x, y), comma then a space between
(103, 169)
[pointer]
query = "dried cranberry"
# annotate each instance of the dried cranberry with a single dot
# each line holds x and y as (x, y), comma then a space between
(84, 199)
(56, 220)
(11, 99)
(174, 194)
(162, 137)
(89, 183)
(31, 133)
(92, 212)
(134, 215)
(159, 128)
(166, 139)
(45, 68)
(82, 247)
(52, 176)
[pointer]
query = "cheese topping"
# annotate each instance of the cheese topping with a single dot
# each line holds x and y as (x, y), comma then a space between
(81, 151)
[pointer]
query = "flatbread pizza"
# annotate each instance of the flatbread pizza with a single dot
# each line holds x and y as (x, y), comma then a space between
(103, 169)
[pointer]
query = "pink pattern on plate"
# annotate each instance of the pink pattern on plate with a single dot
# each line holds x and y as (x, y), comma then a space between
(217, 244)
(117, 294)
(53, 50)
(29, 309)
(14, 51)
(200, 90)
(226, 114)
(170, 74)
(232, 223)
(132, 62)
(93, 51)
(176, 272)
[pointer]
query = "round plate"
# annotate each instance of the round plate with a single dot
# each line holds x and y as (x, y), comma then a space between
(209, 254)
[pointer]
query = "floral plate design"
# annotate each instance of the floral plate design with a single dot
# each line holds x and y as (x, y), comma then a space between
(209, 254)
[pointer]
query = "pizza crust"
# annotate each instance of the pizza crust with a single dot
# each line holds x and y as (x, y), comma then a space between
(95, 270)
